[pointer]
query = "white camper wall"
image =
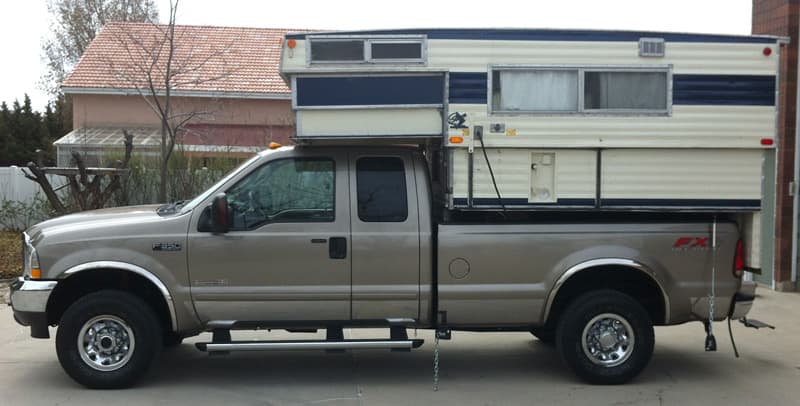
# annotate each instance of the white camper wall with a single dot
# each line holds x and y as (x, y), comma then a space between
(628, 177)
(719, 174)
(688, 127)
(574, 174)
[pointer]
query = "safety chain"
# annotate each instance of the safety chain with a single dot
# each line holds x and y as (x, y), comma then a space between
(436, 364)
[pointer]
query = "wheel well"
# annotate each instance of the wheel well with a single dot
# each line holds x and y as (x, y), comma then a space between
(635, 283)
(85, 282)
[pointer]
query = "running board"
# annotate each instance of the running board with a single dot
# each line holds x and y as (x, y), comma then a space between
(310, 345)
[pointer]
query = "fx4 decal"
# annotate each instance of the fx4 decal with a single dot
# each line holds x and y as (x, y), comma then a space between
(692, 243)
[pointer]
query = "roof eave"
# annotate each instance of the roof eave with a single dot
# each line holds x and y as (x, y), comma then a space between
(177, 93)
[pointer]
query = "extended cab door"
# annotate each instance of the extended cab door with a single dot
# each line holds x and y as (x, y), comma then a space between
(385, 236)
(287, 256)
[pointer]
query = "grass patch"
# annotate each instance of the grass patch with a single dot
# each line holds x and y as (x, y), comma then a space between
(10, 254)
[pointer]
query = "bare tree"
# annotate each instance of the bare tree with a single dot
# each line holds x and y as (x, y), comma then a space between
(74, 25)
(86, 184)
(160, 60)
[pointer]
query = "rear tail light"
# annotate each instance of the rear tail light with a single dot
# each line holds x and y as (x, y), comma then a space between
(738, 260)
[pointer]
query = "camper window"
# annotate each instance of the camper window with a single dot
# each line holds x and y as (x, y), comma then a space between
(625, 91)
(587, 90)
(394, 50)
(536, 90)
(361, 50)
(337, 51)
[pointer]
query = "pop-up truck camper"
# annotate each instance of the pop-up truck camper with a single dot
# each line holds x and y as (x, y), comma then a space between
(582, 186)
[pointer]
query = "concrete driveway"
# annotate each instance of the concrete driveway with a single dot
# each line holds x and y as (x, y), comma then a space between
(476, 369)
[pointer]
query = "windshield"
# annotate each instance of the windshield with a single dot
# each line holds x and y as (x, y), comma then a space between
(203, 196)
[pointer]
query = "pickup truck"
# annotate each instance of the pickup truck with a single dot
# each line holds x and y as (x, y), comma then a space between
(313, 237)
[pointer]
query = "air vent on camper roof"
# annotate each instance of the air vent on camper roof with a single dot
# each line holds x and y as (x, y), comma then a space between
(651, 46)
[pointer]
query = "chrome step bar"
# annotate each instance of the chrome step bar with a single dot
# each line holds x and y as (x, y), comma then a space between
(309, 345)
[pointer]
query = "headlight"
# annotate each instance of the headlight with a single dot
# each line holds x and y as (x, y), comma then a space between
(30, 259)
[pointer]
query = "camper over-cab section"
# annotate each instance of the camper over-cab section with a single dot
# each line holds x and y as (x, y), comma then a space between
(563, 119)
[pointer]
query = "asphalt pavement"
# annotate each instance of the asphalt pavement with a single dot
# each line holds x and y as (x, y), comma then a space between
(475, 369)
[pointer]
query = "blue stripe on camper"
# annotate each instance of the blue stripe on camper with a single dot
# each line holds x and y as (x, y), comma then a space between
(369, 90)
(554, 35)
(467, 87)
(724, 90)
(742, 90)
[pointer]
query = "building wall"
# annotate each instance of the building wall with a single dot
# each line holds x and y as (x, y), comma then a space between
(780, 17)
(91, 110)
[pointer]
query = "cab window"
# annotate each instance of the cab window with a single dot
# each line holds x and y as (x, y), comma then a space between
(285, 190)
(381, 184)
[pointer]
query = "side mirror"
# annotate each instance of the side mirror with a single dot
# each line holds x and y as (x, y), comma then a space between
(219, 214)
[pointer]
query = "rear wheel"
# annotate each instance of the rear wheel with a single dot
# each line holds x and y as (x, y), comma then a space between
(605, 337)
(108, 339)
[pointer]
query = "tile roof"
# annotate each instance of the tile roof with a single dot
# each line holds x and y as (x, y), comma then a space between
(209, 59)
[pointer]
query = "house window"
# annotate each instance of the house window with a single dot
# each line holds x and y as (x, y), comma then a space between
(358, 50)
(580, 90)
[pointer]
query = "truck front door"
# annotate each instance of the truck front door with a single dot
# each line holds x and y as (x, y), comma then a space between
(286, 257)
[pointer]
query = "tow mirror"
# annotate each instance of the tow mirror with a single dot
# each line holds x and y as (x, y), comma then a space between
(219, 214)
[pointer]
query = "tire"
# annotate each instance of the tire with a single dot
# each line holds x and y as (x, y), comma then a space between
(124, 335)
(545, 335)
(619, 337)
(172, 340)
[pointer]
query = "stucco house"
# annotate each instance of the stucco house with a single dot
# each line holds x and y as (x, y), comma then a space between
(225, 82)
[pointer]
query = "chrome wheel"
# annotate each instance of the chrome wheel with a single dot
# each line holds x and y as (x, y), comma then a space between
(106, 343)
(608, 340)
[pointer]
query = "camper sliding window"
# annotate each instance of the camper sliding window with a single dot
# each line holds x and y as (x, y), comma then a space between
(580, 90)
(390, 49)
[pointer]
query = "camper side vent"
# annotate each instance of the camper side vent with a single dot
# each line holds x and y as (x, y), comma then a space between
(651, 46)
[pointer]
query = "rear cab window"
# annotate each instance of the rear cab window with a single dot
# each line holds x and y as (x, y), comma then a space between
(381, 189)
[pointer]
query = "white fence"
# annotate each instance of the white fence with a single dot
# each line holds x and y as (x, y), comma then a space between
(17, 196)
(15, 187)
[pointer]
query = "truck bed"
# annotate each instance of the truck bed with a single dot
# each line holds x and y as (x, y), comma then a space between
(508, 275)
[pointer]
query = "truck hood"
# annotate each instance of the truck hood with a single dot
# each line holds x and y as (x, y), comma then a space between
(93, 219)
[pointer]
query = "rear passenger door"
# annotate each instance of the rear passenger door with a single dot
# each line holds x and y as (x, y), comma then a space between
(385, 236)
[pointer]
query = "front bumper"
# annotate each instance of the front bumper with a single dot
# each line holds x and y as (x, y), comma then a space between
(29, 302)
(743, 300)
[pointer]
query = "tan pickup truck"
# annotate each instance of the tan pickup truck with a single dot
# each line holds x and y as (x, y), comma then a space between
(306, 238)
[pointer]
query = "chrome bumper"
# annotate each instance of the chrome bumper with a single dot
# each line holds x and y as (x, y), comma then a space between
(29, 299)
(743, 300)
(31, 296)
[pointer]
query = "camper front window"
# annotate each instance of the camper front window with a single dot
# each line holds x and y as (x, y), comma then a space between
(337, 51)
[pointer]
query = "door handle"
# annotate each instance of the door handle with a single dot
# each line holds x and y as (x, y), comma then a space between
(337, 247)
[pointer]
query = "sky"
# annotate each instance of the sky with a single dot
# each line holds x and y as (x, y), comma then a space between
(23, 24)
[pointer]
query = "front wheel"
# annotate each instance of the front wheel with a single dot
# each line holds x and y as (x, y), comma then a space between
(605, 337)
(108, 339)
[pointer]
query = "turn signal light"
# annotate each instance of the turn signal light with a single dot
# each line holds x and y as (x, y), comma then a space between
(456, 140)
(738, 260)
(36, 273)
